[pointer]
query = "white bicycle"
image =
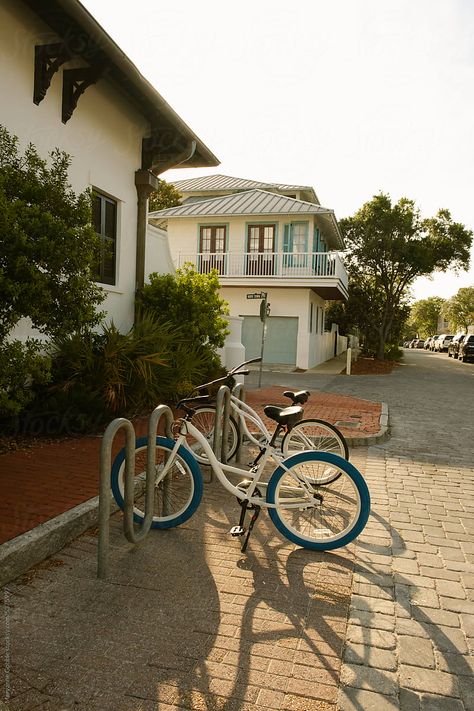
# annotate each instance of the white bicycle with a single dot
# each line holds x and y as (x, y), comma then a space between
(317, 500)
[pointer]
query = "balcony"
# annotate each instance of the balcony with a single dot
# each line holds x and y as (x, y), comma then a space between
(323, 272)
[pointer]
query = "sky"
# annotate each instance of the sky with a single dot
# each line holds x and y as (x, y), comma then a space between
(352, 97)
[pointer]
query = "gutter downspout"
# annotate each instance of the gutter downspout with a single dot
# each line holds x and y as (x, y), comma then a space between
(146, 182)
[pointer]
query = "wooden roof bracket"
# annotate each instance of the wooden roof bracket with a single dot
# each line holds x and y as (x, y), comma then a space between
(75, 82)
(48, 59)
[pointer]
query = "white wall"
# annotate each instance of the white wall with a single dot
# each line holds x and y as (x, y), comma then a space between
(293, 302)
(157, 256)
(103, 137)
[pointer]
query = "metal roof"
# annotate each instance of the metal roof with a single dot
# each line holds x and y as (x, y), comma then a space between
(251, 202)
(227, 182)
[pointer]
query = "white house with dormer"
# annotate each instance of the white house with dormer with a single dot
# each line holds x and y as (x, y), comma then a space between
(264, 237)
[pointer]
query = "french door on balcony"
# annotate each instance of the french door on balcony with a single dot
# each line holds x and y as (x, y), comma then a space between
(212, 248)
(260, 249)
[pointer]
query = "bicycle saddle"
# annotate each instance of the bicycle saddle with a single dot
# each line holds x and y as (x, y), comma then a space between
(298, 398)
(286, 416)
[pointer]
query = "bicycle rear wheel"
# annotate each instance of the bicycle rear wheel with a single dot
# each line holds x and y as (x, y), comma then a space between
(204, 419)
(176, 497)
(318, 516)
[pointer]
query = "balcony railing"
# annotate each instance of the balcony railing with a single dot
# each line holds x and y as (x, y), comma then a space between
(279, 265)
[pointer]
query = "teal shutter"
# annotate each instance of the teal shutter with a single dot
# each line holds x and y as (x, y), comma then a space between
(287, 245)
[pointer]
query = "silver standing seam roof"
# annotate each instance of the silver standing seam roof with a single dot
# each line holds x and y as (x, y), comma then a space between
(251, 203)
(227, 182)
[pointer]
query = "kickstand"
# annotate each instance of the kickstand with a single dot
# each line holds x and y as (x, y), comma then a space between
(257, 510)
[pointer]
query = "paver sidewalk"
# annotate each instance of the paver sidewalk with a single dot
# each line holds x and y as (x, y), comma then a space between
(184, 621)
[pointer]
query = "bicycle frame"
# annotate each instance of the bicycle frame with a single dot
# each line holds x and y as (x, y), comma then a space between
(245, 413)
(220, 469)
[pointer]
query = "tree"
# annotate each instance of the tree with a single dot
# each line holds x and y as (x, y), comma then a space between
(166, 196)
(190, 300)
(47, 252)
(389, 246)
(47, 244)
(424, 315)
(459, 310)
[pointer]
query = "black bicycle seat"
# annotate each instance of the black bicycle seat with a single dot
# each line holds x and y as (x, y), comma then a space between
(286, 416)
(298, 398)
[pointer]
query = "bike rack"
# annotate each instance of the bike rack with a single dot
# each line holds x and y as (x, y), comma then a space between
(221, 426)
(239, 391)
(130, 533)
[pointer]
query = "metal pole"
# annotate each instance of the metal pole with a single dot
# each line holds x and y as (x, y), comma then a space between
(264, 330)
(219, 442)
(104, 486)
(239, 392)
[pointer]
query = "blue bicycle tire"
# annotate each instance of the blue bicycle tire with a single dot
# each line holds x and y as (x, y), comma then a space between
(186, 466)
(348, 491)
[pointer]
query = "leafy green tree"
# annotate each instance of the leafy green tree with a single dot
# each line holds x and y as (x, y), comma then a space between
(47, 244)
(424, 315)
(166, 196)
(459, 310)
(389, 246)
(190, 300)
(363, 310)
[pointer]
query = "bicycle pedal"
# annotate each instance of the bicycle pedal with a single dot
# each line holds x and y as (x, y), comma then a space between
(237, 531)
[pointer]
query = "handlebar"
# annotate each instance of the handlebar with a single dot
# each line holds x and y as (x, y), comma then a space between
(235, 371)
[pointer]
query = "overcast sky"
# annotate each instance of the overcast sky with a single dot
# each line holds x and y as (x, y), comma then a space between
(352, 97)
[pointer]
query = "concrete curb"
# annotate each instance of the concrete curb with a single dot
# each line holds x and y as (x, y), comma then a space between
(378, 437)
(30, 548)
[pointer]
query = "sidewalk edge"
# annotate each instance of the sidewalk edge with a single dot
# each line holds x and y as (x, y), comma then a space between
(30, 548)
(378, 437)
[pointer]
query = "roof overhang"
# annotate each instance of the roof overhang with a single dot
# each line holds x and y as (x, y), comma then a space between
(171, 140)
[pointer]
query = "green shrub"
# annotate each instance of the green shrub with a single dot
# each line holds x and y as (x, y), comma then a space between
(392, 351)
(23, 367)
(96, 377)
(191, 301)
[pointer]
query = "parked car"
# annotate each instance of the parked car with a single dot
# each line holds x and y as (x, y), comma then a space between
(443, 341)
(419, 343)
(466, 348)
(427, 343)
(432, 345)
(453, 348)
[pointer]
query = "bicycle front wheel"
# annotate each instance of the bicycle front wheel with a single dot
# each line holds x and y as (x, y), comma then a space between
(313, 515)
(177, 496)
(204, 419)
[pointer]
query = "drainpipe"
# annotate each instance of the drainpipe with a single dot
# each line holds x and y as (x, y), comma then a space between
(146, 182)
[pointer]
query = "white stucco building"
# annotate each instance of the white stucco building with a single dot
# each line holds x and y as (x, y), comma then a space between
(264, 237)
(64, 83)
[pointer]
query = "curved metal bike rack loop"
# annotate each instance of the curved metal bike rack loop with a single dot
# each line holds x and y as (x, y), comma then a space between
(130, 532)
(221, 425)
(239, 391)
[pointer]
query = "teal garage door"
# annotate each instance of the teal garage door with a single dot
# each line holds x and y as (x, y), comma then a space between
(280, 341)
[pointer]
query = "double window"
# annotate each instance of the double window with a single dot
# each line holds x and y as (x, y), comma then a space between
(104, 220)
